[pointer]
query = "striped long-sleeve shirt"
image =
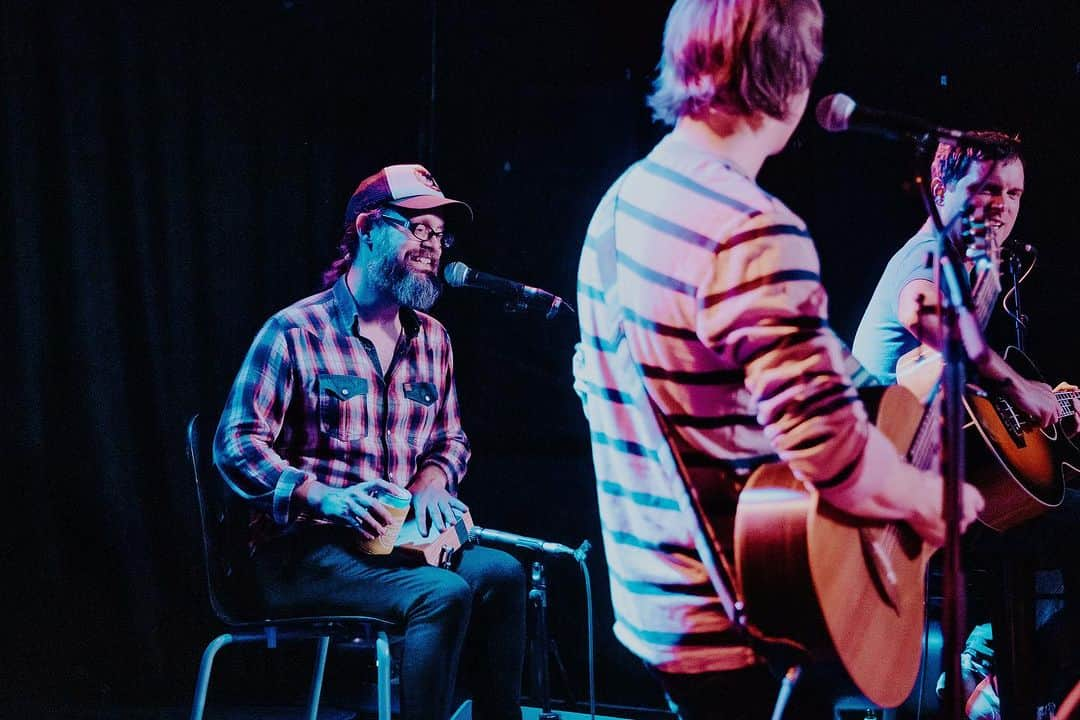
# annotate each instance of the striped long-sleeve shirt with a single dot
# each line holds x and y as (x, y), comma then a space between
(700, 291)
(311, 401)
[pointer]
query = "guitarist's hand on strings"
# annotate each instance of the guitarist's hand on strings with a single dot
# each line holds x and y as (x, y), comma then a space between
(884, 486)
(432, 501)
(927, 520)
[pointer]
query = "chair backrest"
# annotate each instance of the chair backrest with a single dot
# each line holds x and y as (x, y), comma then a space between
(223, 519)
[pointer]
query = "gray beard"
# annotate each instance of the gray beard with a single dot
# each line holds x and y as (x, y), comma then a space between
(410, 289)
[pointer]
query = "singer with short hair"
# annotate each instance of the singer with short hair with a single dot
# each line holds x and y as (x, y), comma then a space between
(349, 393)
(985, 182)
(701, 287)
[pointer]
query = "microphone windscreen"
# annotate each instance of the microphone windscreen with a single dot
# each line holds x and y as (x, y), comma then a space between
(834, 111)
(455, 274)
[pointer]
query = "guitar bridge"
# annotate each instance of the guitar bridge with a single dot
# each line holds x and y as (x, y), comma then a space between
(1011, 420)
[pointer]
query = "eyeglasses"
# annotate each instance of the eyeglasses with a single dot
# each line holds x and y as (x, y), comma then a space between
(421, 231)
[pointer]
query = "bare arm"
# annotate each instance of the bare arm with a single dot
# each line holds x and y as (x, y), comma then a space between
(917, 309)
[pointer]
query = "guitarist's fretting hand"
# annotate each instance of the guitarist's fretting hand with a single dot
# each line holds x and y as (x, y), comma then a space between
(1071, 425)
(1036, 399)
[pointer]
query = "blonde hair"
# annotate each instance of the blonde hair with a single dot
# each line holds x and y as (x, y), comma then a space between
(738, 56)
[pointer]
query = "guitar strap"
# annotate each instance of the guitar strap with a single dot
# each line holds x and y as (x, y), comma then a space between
(706, 540)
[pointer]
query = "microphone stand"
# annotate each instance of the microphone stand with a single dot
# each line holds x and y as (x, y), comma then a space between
(538, 603)
(952, 298)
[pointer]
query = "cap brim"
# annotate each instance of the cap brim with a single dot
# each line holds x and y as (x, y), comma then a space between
(430, 202)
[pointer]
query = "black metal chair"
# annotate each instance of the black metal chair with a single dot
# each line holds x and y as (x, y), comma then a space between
(225, 555)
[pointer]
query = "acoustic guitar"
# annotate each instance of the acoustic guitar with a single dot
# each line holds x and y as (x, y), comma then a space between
(839, 585)
(1020, 468)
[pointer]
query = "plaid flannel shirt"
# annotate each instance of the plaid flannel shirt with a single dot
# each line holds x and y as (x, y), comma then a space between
(310, 402)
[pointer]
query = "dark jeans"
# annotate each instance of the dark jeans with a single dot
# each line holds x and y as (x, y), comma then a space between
(745, 694)
(318, 571)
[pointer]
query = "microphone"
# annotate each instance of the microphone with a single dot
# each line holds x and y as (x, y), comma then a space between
(508, 539)
(458, 274)
(839, 113)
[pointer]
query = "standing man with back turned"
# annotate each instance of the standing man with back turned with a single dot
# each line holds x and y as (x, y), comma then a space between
(349, 393)
(698, 283)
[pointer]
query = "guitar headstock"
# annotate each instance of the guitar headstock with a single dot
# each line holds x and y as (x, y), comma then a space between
(982, 245)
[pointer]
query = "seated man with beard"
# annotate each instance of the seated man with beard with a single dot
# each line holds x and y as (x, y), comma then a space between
(350, 393)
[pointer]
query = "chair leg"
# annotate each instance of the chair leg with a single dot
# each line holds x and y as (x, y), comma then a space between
(203, 682)
(382, 669)
(317, 678)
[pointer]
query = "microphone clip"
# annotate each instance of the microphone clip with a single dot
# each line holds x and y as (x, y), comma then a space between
(523, 302)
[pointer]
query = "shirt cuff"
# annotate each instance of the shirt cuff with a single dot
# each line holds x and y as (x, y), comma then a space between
(283, 491)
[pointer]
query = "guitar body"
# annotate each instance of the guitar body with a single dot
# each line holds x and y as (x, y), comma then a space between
(1019, 468)
(839, 585)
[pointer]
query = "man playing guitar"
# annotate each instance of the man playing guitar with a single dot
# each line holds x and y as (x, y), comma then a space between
(702, 311)
(986, 185)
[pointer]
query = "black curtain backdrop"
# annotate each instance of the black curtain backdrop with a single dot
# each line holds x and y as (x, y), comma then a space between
(174, 173)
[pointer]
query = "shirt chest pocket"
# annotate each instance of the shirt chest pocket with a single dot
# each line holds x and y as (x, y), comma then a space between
(343, 411)
(421, 406)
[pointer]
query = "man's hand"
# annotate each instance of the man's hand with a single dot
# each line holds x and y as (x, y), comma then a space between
(1035, 399)
(927, 521)
(356, 506)
(1071, 425)
(432, 501)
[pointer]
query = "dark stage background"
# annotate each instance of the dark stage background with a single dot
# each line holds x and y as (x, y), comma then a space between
(174, 173)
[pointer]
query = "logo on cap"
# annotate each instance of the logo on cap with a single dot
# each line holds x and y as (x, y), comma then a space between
(425, 178)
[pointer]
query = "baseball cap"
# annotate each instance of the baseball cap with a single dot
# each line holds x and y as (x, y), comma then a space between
(409, 187)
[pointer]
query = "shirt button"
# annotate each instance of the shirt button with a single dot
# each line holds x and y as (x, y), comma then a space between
(345, 391)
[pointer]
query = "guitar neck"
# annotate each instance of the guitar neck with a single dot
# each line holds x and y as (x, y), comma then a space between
(986, 290)
(1065, 400)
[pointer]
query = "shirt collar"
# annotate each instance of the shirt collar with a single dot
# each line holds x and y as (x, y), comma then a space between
(347, 317)
(684, 142)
